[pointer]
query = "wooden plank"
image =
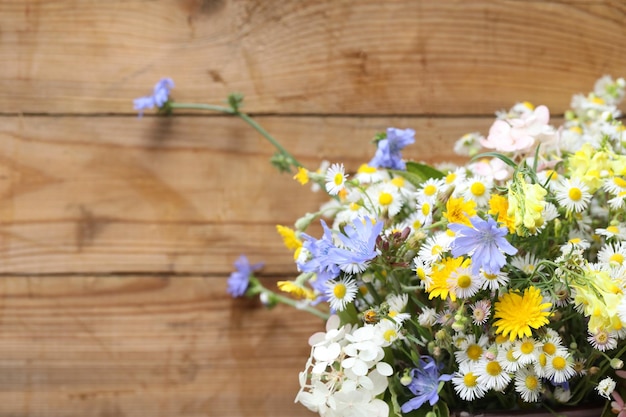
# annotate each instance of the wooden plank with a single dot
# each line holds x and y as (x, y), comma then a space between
(183, 194)
(146, 346)
(314, 57)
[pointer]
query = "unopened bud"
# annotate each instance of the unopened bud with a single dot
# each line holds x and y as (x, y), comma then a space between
(305, 221)
(594, 370)
(406, 379)
(617, 363)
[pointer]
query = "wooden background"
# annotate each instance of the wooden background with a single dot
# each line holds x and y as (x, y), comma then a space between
(117, 234)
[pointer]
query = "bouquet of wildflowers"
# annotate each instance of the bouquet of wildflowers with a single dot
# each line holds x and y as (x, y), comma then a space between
(499, 284)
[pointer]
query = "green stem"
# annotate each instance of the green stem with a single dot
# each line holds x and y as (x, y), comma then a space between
(246, 118)
(293, 303)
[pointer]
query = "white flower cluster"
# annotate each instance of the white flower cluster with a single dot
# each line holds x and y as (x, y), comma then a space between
(346, 371)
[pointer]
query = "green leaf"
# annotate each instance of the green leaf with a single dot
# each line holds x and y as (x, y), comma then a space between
(416, 173)
(504, 158)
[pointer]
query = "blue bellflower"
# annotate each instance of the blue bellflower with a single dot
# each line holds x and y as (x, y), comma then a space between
(359, 245)
(388, 154)
(424, 384)
(160, 95)
(239, 280)
(485, 243)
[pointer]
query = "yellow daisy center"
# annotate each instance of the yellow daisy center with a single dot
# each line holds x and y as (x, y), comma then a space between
(617, 258)
(509, 356)
(531, 382)
(430, 190)
(464, 281)
(421, 274)
(385, 199)
(398, 182)
(493, 368)
(613, 229)
(338, 180)
(390, 335)
(339, 290)
(559, 363)
(527, 348)
(575, 194)
(425, 209)
(436, 250)
(470, 380)
(620, 182)
(450, 178)
(474, 352)
(549, 348)
(478, 189)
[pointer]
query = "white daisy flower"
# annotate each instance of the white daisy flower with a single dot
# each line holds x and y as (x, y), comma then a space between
(527, 263)
(384, 198)
(552, 343)
(424, 213)
(602, 339)
(506, 358)
(428, 317)
(466, 384)
(573, 194)
(528, 384)
(423, 270)
(454, 178)
(614, 185)
(463, 283)
(495, 281)
(471, 350)
(559, 367)
(341, 292)
(562, 395)
(335, 179)
(478, 189)
(481, 311)
(367, 174)
(527, 350)
(613, 254)
(617, 231)
(434, 247)
(430, 190)
(491, 374)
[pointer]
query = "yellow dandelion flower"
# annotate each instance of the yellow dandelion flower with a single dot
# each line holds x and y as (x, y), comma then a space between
(290, 239)
(518, 313)
(302, 176)
(459, 210)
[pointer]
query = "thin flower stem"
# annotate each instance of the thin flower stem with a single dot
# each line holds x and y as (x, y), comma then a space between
(293, 303)
(245, 117)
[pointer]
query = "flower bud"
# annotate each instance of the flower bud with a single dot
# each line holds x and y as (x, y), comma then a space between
(304, 222)
(617, 363)
(594, 370)
(406, 379)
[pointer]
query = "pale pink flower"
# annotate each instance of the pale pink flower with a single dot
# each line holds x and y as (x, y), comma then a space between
(618, 407)
(493, 168)
(520, 134)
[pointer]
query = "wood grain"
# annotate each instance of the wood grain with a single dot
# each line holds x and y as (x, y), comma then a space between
(184, 194)
(307, 57)
(146, 346)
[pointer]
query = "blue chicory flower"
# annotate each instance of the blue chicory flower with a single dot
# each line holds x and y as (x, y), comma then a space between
(424, 384)
(319, 262)
(160, 95)
(485, 243)
(240, 278)
(359, 245)
(388, 154)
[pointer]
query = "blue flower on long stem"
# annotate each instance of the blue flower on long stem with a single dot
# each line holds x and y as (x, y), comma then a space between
(160, 95)
(359, 245)
(388, 154)
(240, 278)
(424, 384)
(484, 242)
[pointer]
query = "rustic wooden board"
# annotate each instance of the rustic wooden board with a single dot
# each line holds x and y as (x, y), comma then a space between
(146, 346)
(320, 57)
(183, 194)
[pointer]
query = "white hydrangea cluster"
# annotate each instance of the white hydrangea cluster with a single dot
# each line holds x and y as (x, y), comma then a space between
(346, 371)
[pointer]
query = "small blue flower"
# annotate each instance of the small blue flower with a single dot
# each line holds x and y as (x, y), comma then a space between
(239, 280)
(160, 95)
(388, 154)
(359, 245)
(424, 384)
(319, 261)
(485, 243)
